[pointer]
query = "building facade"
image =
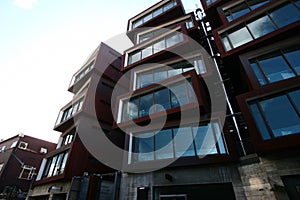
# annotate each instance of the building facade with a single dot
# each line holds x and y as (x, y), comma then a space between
(20, 159)
(71, 171)
(249, 152)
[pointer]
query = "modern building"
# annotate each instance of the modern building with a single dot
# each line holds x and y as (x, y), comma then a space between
(249, 152)
(71, 171)
(20, 160)
(258, 42)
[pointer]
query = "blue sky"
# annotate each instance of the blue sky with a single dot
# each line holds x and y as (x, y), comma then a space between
(42, 44)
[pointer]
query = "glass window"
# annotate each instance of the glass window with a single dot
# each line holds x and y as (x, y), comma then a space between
(219, 136)
(256, 3)
(1, 166)
(55, 165)
(275, 68)
(145, 37)
(285, 15)
(146, 102)
(134, 57)
(187, 66)
(295, 97)
(147, 52)
(183, 142)
(239, 10)
(162, 98)
(147, 17)
(181, 95)
(160, 74)
(159, 46)
(133, 108)
(175, 70)
(258, 73)
(261, 26)
(172, 40)
(260, 122)
(27, 172)
(226, 43)
(146, 78)
(144, 146)
(137, 23)
(279, 114)
(163, 144)
(293, 56)
(240, 37)
(204, 140)
(168, 6)
(157, 12)
(192, 97)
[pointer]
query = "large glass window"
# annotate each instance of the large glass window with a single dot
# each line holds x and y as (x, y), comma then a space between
(154, 13)
(158, 100)
(276, 66)
(161, 73)
(154, 47)
(243, 8)
(208, 2)
(277, 116)
(83, 72)
(55, 165)
(267, 23)
(205, 139)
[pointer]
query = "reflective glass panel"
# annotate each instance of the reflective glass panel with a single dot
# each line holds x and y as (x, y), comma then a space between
(275, 68)
(160, 74)
(261, 26)
(147, 52)
(260, 122)
(240, 37)
(145, 146)
(239, 10)
(285, 15)
(181, 95)
(258, 73)
(183, 142)
(163, 144)
(159, 46)
(162, 97)
(293, 56)
(146, 102)
(171, 40)
(281, 116)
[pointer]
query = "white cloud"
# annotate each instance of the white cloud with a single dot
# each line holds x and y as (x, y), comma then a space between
(27, 4)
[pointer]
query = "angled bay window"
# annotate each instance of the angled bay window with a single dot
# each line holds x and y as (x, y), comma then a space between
(168, 41)
(277, 116)
(157, 31)
(175, 95)
(270, 21)
(138, 22)
(70, 111)
(243, 8)
(276, 66)
(160, 73)
(55, 165)
(189, 141)
(82, 73)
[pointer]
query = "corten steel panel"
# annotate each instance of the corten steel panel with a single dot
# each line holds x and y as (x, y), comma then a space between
(260, 145)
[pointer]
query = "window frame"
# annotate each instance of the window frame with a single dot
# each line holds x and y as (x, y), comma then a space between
(224, 34)
(271, 134)
(32, 172)
(211, 128)
(51, 168)
(23, 143)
